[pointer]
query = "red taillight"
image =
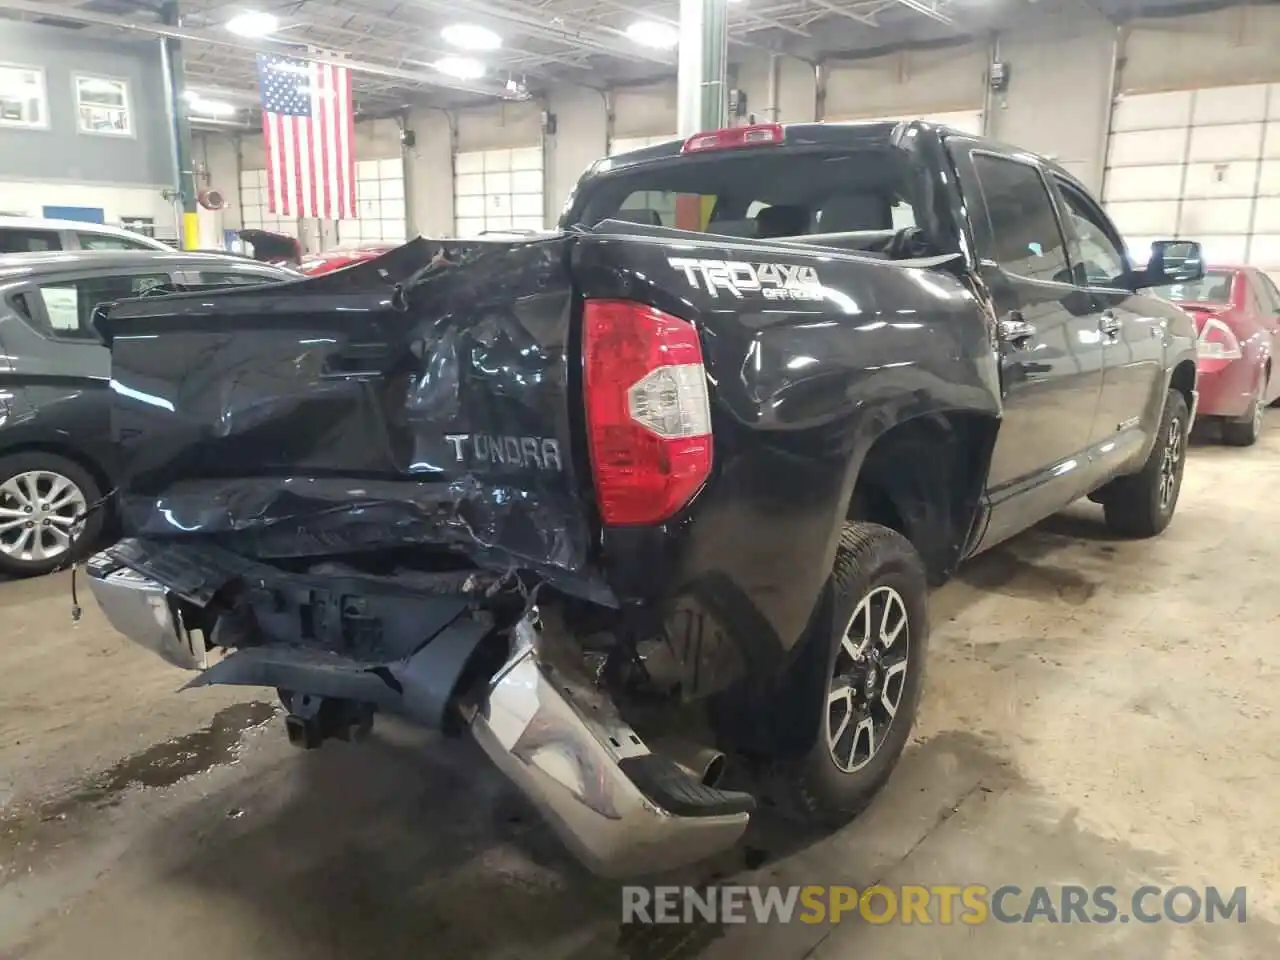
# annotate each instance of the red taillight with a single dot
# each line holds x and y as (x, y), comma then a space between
(648, 416)
(1216, 346)
(730, 137)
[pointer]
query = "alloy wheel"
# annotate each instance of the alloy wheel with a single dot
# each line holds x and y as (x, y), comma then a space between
(40, 515)
(868, 680)
(1170, 463)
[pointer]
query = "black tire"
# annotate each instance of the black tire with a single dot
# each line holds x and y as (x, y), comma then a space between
(814, 787)
(1142, 504)
(83, 537)
(1246, 431)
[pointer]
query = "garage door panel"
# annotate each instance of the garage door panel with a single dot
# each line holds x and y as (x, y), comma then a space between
(1162, 182)
(468, 163)
(1157, 218)
(1264, 251)
(1269, 178)
(526, 205)
(1202, 217)
(509, 187)
(1152, 111)
(1147, 148)
(1230, 104)
(1266, 219)
(1271, 140)
(526, 181)
(470, 185)
(1235, 141)
(1237, 178)
(1223, 249)
(527, 158)
(497, 161)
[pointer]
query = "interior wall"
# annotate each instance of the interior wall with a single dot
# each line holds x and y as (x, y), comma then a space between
(1061, 61)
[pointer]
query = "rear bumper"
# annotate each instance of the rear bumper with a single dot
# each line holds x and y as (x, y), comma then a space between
(144, 611)
(620, 808)
(1227, 392)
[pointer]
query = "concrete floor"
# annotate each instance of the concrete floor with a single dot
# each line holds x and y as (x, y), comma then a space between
(1097, 712)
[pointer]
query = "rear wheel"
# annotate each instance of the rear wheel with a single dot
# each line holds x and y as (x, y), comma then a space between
(1246, 431)
(873, 647)
(43, 499)
(1142, 504)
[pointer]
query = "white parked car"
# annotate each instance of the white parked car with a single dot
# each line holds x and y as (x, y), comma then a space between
(33, 235)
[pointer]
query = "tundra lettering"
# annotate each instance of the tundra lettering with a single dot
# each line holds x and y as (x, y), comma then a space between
(540, 452)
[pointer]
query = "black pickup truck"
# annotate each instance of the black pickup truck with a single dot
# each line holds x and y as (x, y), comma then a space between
(669, 481)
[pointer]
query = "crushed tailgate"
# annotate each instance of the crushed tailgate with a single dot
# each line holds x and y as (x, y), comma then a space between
(422, 398)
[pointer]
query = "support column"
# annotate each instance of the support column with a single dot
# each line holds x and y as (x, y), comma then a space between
(701, 87)
(180, 130)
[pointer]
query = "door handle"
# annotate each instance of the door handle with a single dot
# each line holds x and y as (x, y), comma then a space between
(1109, 323)
(1016, 331)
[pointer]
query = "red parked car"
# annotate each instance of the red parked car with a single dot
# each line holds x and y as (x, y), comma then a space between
(314, 264)
(1237, 315)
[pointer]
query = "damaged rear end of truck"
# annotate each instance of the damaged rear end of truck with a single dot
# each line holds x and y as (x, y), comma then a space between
(355, 489)
(549, 491)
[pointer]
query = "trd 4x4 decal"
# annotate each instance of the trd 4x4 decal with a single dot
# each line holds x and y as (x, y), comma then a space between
(773, 281)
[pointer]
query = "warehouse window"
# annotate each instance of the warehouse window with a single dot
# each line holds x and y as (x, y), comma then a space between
(22, 97)
(103, 106)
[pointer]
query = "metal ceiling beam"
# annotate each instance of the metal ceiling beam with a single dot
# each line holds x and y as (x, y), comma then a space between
(609, 42)
(929, 8)
(846, 12)
(530, 64)
(80, 15)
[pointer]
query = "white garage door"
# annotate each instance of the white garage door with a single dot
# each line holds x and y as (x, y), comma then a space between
(966, 121)
(254, 214)
(498, 190)
(379, 206)
(1201, 164)
(379, 202)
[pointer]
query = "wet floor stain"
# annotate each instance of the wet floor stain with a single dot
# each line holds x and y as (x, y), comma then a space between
(23, 830)
(1005, 573)
(172, 761)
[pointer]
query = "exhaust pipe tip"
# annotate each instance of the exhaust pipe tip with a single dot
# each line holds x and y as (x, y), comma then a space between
(704, 764)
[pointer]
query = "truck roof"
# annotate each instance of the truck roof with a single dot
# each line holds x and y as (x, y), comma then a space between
(851, 133)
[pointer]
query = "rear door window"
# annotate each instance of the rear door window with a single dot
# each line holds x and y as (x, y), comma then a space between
(28, 241)
(68, 304)
(1026, 237)
(105, 241)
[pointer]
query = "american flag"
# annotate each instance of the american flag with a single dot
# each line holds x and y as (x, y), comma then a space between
(308, 129)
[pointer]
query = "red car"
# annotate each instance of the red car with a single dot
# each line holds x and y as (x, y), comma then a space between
(1237, 315)
(314, 264)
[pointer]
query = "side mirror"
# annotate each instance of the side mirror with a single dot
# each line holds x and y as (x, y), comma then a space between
(1174, 261)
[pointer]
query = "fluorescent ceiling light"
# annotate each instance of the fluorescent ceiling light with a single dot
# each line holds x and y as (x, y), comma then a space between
(470, 36)
(649, 33)
(464, 68)
(211, 108)
(254, 23)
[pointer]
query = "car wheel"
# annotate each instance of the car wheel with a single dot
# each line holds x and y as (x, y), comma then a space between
(43, 499)
(1142, 504)
(872, 640)
(1246, 431)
